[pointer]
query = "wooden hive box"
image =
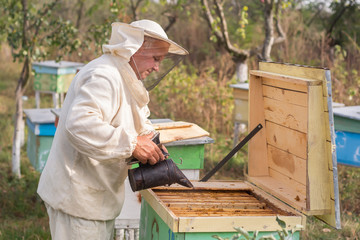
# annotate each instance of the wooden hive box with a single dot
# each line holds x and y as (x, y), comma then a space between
(347, 130)
(292, 167)
(40, 135)
(54, 76)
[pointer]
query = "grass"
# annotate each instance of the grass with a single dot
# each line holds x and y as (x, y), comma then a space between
(23, 215)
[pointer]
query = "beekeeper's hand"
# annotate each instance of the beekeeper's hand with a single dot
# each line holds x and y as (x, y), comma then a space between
(146, 151)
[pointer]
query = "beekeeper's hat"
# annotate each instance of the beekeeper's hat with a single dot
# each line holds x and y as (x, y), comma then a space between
(154, 30)
(126, 40)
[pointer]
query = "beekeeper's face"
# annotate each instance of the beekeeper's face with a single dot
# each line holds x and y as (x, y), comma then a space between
(148, 58)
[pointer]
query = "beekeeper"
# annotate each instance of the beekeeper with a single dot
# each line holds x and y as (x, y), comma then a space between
(104, 122)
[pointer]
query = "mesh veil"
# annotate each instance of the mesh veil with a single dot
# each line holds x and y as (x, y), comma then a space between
(153, 62)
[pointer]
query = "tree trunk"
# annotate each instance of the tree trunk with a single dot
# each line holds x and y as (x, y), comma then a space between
(17, 133)
(80, 11)
(22, 133)
(18, 121)
(269, 30)
(23, 80)
(241, 71)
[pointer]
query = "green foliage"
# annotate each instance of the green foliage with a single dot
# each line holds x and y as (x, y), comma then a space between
(243, 22)
(43, 29)
(339, 22)
(347, 80)
(201, 99)
(99, 35)
(22, 213)
(349, 178)
(98, 32)
(286, 4)
(346, 23)
(239, 24)
(316, 229)
(282, 234)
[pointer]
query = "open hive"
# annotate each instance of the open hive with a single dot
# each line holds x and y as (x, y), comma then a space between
(213, 207)
(291, 166)
(216, 203)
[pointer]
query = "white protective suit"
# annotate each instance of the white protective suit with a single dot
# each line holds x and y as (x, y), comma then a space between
(104, 111)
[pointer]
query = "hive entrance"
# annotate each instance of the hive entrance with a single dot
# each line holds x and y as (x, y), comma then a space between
(216, 203)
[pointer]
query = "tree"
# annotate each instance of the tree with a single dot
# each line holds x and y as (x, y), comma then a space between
(338, 20)
(128, 11)
(269, 19)
(217, 22)
(30, 30)
(219, 27)
(342, 24)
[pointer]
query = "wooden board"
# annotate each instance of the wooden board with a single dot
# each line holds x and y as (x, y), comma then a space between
(175, 131)
(241, 94)
(289, 82)
(285, 192)
(285, 95)
(294, 106)
(227, 224)
(319, 186)
(216, 185)
(286, 139)
(286, 114)
(171, 125)
(258, 166)
(311, 73)
(288, 164)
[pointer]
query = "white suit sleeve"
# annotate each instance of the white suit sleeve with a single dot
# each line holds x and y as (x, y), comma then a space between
(88, 121)
(148, 127)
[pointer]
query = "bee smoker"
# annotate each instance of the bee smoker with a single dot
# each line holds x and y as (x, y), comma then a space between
(162, 173)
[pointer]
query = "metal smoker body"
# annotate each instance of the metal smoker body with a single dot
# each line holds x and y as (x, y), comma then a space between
(162, 173)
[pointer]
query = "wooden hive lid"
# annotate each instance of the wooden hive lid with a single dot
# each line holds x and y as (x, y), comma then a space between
(293, 156)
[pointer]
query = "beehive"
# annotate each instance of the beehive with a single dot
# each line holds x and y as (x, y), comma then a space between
(292, 162)
(212, 208)
(347, 130)
(54, 76)
(41, 131)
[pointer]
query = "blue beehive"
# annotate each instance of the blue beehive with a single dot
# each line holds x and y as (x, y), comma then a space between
(347, 129)
(41, 131)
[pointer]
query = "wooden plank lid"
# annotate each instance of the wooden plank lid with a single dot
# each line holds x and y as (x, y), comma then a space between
(176, 131)
(40, 115)
(293, 157)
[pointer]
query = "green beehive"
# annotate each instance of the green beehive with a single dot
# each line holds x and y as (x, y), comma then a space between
(55, 78)
(52, 83)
